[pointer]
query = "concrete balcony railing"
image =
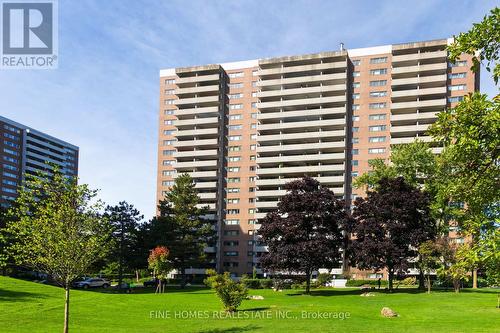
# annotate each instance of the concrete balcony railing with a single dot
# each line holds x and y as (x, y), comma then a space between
(301, 113)
(199, 78)
(409, 128)
(419, 56)
(301, 91)
(303, 101)
(419, 92)
(303, 135)
(196, 132)
(300, 169)
(197, 100)
(207, 195)
(303, 79)
(195, 111)
(303, 124)
(397, 141)
(419, 68)
(302, 68)
(282, 181)
(211, 206)
(419, 80)
(419, 104)
(196, 153)
(197, 121)
(196, 143)
(261, 249)
(266, 204)
(196, 90)
(300, 147)
(198, 174)
(301, 158)
(414, 116)
(206, 185)
(195, 164)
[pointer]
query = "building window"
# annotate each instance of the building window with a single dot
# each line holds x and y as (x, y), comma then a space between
(233, 201)
(168, 112)
(253, 147)
(254, 94)
(378, 93)
(251, 189)
(252, 221)
(9, 151)
(234, 138)
(455, 99)
(378, 83)
(457, 87)
(356, 74)
(231, 232)
(254, 105)
(355, 96)
(355, 151)
(231, 253)
(379, 60)
(233, 169)
(168, 132)
(169, 91)
(233, 180)
(12, 129)
(251, 168)
(356, 62)
(234, 158)
(377, 105)
(378, 128)
(355, 129)
(166, 173)
(376, 150)
(235, 106)
(11, 136)
(235, 127)
(355, 107)
(168, 122)
(167, 183)
(251, 179)
(233, 190)
(355, 162)
(170, 81)
(255, 73)
(168, 162)
(354, 174)
(355, 118)
(232, 211)
(459, 63)
(379, 71)
(376, 139)
(235, 96)
(236, 85)
(168, 152)
(355, 140)
(253, 136)
(234, 148)
(376, 117)
(236, 117)
(253, 126)
(237, 74)
(251, 210)
(254, 83)
(457, 75)
(252, 157)
(10, 167)
(254, 115)
(169, 101)
(231, 243)
(356, 85)
(9, 182)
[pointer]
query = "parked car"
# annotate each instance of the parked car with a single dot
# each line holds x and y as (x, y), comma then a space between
(150, 283)
(93, 283)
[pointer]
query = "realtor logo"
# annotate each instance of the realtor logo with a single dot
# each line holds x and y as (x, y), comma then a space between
(29, 34)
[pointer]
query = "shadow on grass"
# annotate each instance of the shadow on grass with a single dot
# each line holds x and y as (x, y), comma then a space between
(248, 328)
(18, 296)
(264, 308)
(343, 292)
(148, 290)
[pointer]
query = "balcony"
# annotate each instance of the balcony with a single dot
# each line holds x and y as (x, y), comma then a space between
(282, 181)
(419, 68)
(301, 147)
(196, 143)
(197, 100)
(302, 68)
(414, 116)
(419, 92)
(420, 56)
(419, 104)
(303, 101)
(419, 80)
(198, 174)
(195, 111)
(199, 78)
(195, 164)
(196, 132)
(196, 153)
(301, 91)
(196, 90)
(397, 141)
(410, 128)
(303, 79)
(301, 158)
(303, 135)
(303, 124)
(301, 113)
(196, 121)
(300, 169)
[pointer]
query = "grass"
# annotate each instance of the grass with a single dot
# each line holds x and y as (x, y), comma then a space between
(30, 307)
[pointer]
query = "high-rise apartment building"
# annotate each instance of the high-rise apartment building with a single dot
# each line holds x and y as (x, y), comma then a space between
(244, 129)
(25, 150)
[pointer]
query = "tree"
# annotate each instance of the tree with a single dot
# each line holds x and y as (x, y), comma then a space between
(230, 292)
(429, 260)
(471, 134)
(455, 264)
(389, 225)
(159, 263)
(124, 220)
(59, 229)
(181, 227)
(304, 233)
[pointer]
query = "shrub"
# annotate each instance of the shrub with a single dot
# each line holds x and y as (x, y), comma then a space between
(359, 283)
(280, 284)
(251, 283)
(409, 281)
(266, 283)
(323, 279)
(230, 293)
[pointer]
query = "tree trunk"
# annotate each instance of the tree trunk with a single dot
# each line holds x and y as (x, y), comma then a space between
(421, 280)
(66, 308)
(456, 285)
(474, 279)
(308, 282)
(137, 275)
(391, 277)
(428, 283)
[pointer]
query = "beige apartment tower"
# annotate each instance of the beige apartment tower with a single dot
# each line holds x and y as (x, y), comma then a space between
(244, 129)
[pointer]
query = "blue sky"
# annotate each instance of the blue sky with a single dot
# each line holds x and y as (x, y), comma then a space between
(104, 96)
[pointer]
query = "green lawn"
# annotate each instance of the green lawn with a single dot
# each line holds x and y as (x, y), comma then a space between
(31, 307)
